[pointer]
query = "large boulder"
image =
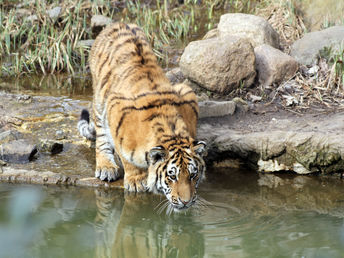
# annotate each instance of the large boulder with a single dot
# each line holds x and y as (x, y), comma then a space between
(219, 64)
(273, 66)
(306, 50)
(254, 28)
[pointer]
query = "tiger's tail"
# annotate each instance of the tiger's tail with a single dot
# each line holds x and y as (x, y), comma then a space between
(85, 127)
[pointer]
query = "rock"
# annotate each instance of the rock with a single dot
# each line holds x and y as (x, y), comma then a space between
(54, 13)
(32, 18)
(202, 97)
(310, 145)
(254, 98)
(22, 12)
(85, 43)
(214, 33)
(7, 136)
(273, 65)
(17, 151)
(254, 28)
(241, 105)
(49, 146)
(10, 121)
(100, 21)
(216, 108)
(306, 50)
(60, 135)
(219, 64)
(175, 76)
(24, 98)
(2, 163)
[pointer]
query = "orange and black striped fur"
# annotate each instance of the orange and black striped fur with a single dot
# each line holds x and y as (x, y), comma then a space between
(140, 116)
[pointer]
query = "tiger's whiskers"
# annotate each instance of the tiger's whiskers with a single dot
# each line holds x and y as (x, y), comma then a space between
(163, 204)
(169, 209)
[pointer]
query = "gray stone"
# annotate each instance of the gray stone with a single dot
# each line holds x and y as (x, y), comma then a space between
(306, 50)
(100, 21)
(175, 76)
(274, 66)
(54, 13)
(85, 43)
(241, 105)
(2, 164)
(216, 108)
(32, 18)
(254, 28)
(7, 136)
(219, 64)
(49, 146)
(60, 135)
(18, 151)
(22, 12)
(22, 98)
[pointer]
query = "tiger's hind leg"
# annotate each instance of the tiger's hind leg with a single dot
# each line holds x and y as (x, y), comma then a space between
(106, 166)
(135, 179)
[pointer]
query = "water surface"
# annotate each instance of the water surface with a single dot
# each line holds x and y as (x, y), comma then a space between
(250, 215)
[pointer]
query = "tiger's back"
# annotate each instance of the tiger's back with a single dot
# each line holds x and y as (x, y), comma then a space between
(122, 61)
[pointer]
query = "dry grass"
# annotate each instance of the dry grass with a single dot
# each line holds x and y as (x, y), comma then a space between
(321, 85)
(285, 18)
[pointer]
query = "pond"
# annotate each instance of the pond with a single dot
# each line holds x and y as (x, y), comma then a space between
(248, 215)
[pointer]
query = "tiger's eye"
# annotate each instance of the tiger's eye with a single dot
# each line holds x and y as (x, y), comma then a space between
(173, 177)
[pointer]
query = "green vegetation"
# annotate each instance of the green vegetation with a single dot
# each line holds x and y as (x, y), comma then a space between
(32, 42)
(334, 76)
(337, 61)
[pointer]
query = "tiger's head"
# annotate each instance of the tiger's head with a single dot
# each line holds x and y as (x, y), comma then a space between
(176, 171)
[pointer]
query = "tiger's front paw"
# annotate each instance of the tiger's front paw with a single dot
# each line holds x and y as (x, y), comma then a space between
(136, 183)
(107, 173)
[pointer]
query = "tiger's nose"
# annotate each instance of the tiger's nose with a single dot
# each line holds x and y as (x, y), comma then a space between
(185, 202)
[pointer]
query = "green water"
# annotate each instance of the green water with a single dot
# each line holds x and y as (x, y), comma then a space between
(249, 215)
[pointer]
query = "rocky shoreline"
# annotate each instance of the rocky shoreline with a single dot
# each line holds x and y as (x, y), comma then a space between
(261, 139)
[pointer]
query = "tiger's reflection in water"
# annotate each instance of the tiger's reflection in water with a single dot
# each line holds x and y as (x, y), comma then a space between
(127, 225)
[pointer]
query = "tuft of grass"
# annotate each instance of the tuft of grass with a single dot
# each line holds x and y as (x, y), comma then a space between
(285, 18)
(43, 45)
(336, 80)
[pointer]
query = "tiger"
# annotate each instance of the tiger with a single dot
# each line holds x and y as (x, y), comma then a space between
(141, 118)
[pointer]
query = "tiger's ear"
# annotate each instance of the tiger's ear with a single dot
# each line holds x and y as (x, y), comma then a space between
(156, 154)
(200, 147)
